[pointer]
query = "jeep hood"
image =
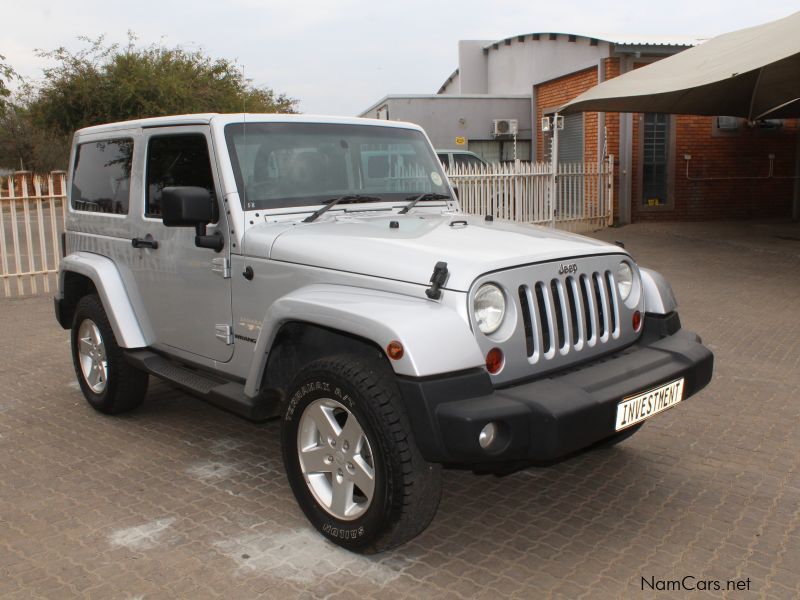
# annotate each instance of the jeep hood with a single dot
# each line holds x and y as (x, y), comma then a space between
(370, 245)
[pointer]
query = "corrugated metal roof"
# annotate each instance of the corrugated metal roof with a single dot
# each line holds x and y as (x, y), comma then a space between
(645, 40)
(639, 40)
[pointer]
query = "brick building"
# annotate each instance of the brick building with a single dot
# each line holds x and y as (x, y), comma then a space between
(670, 167)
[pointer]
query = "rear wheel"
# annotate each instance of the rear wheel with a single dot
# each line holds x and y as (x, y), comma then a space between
(350, 457)
(109, 384)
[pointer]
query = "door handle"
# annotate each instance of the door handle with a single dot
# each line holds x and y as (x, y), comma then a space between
(145, 242)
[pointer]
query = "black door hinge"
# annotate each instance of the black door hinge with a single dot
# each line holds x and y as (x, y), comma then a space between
(438, 279)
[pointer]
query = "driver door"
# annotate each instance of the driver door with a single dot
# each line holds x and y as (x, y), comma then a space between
(184, 290)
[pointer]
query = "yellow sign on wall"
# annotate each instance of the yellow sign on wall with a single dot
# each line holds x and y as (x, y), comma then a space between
(460, 141)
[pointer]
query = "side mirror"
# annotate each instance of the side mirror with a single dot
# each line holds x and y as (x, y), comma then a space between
(189, 206)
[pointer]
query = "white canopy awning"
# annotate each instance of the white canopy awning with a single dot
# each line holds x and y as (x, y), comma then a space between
(752, 73)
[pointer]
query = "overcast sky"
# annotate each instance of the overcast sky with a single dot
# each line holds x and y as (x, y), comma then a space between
(341, 56)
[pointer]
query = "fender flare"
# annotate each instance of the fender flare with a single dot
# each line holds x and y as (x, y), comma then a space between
(109, 284)
(658, 295)
(435, 338)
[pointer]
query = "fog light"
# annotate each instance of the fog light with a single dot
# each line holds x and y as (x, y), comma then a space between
(637, 320)
(494, 360)
(487, 436)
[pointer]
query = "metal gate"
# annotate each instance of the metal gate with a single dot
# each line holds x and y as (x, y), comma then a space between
(32, 213)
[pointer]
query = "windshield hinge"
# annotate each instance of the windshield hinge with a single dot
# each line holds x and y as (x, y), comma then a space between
(438, 279)
(222, 266)
(224, 333)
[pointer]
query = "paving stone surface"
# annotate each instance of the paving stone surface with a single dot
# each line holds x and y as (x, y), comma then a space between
(180, 500)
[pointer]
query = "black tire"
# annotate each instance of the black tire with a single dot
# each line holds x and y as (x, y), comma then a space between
(623, 435)
(125, 386)
(407, 488)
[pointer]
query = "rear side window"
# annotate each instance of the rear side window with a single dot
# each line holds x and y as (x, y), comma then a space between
(176, 160)
(101, 180)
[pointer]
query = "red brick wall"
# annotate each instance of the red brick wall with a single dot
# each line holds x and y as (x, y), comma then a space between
(744, 156)
(559, 91)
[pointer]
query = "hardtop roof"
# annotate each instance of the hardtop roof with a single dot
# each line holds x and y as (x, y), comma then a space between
(224, 119)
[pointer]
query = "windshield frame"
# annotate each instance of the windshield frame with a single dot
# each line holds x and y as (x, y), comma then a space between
(310, 202)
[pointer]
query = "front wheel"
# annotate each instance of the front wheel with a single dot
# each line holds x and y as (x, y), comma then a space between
(351, 459)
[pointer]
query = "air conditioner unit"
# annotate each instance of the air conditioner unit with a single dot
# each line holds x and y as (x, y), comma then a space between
(728, 123)
(502, 127)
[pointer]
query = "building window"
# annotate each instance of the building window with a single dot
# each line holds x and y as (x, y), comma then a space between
(495, 151)
(655, 171)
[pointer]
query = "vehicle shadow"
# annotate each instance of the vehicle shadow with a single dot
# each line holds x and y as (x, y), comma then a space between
(597, 501)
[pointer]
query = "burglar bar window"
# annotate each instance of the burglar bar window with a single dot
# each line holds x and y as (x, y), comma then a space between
(655, 151)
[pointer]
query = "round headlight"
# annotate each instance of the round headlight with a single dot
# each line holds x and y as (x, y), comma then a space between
(490, 308)
(624, 280)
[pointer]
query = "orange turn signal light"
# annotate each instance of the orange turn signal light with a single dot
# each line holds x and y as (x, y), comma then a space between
(395, 350)
(637, 320)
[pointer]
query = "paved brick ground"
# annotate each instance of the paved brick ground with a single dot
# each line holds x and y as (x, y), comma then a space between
(181, 500)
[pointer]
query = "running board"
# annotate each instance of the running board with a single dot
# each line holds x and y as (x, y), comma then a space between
(225, 394)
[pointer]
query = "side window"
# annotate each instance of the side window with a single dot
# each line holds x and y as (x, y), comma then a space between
(101, 180)
(462, 160)
(444, 159)
(175, 160)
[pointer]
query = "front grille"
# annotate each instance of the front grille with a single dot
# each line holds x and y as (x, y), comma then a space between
(568, 314)
(556, 318)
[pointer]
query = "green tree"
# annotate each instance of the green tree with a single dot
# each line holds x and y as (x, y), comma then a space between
(6, 74)
(105, 82)
(25, 146)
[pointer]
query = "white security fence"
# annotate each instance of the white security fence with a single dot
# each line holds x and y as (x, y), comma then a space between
(32, 212)
(33, 209)
(524, 192)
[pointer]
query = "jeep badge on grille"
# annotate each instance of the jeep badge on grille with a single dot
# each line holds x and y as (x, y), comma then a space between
(567, 269)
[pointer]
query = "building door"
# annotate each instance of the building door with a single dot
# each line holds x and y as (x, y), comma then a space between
(570, 141)
(655, 154)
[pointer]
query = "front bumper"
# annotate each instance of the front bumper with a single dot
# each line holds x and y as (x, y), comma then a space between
(556, 415)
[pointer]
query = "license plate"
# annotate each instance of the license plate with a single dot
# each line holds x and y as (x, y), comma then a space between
(636, 409)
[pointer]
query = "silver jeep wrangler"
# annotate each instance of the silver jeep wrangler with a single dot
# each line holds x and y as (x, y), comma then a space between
(318, 269)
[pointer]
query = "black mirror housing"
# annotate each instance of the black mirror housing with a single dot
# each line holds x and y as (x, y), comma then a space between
(187, 206)
(190, 206)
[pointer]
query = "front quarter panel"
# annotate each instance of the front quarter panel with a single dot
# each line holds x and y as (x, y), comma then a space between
(435, 337)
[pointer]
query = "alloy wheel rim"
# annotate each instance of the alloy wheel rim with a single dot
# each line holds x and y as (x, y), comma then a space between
(336, 459)
(92, 356)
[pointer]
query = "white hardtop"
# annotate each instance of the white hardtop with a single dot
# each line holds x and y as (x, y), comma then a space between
(220, 120)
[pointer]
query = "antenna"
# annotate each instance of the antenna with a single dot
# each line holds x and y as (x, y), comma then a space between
(247, 270)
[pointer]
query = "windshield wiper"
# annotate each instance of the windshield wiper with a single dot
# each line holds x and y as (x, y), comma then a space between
(347, 199)
(421, 198)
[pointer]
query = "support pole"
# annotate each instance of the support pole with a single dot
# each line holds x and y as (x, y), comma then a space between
(796, 196)
(554, 180)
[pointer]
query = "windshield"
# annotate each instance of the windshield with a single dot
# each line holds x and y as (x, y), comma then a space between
(279, 165)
